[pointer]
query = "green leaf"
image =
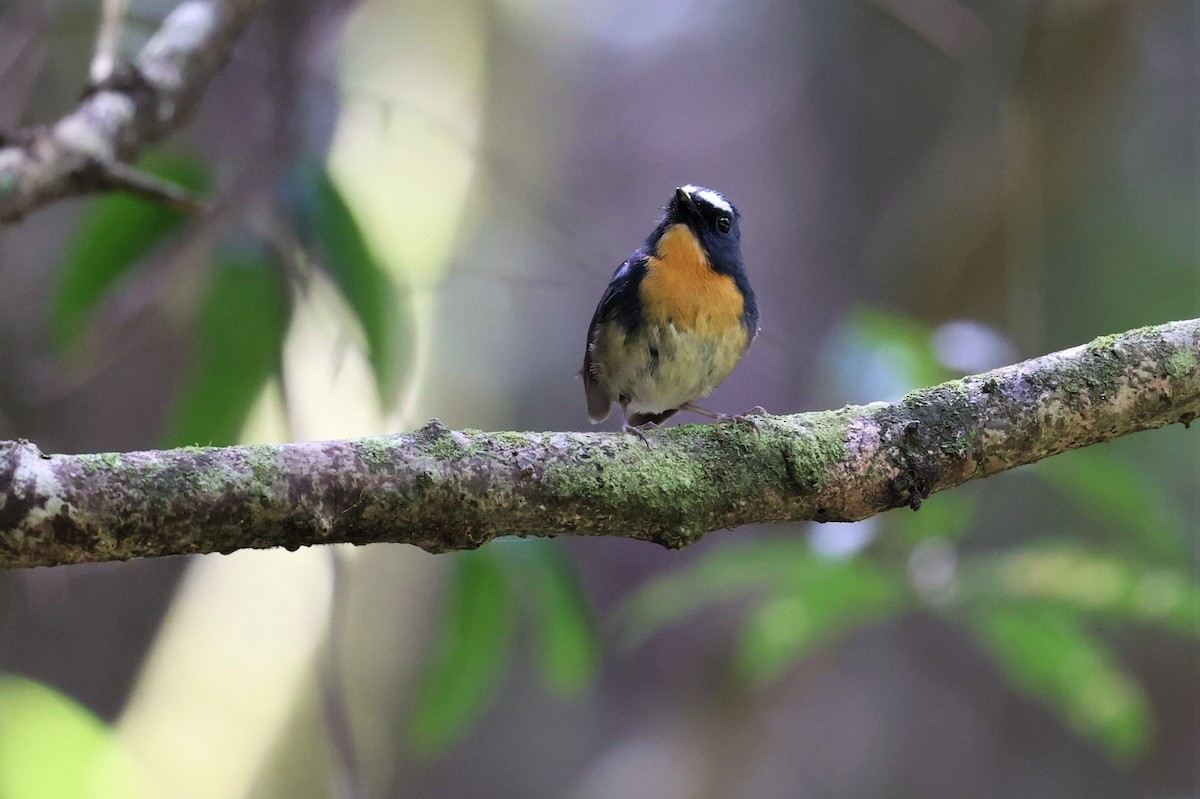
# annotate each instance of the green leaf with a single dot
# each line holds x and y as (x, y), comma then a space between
(51, 746)
(807, 600)
(1047, 654)
(327, 226)
(114, 233)
(719, 575)
(1112, 492)
(238, 337)
(567, 648)
(826, 601)
(471, 656)
(1102, 585)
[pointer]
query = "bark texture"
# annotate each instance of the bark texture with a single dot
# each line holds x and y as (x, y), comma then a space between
(137, 105)
(443, 489)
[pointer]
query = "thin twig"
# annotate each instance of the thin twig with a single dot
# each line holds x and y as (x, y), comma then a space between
(108, 41)
(118, 175)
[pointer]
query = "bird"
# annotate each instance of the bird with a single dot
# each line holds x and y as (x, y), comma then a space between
(676, 318)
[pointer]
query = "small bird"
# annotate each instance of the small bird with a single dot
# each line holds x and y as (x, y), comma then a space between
(676, 317)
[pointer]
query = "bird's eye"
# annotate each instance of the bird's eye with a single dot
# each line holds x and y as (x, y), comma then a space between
(723, 223)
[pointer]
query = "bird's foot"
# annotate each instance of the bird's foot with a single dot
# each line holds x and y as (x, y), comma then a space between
(638, 430)
(746, 418)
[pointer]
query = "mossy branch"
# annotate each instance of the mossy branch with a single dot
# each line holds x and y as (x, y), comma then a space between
(442, 489)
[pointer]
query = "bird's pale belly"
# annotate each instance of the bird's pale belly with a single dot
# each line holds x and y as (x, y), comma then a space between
(661, 367)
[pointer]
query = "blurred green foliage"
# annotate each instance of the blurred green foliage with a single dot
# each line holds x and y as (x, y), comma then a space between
(115, 233)
(242, 319)
(553, 605)
(800, 600)
(1051, 655)
(53, 747)
(1040, 609)
(470, 656)
(819, 599)
(489, 593)
(1081, 581)
(320, 216)
(238, 335)
(1123, 499)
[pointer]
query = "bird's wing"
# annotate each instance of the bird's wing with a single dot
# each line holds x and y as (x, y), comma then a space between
(617, 303)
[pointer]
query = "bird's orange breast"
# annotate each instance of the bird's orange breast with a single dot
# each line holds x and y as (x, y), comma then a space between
(680, 287)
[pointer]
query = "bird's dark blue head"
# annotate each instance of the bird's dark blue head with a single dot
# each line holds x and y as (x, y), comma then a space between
(714, 221)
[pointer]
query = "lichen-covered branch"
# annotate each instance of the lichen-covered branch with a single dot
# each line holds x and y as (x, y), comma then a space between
(443, 489)
(131, 109)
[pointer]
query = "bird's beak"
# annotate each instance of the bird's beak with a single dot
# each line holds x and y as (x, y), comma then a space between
(684, 200)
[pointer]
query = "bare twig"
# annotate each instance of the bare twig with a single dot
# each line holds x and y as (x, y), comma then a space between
(441, 489)
(130, 110)
(108, 41)
(119, 175)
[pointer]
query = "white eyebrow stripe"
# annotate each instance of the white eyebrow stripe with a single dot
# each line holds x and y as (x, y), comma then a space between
(709, 196)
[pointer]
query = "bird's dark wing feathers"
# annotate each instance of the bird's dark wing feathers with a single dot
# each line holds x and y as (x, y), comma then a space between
(619, 303)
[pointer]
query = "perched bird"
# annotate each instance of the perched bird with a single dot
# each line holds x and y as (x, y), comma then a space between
(676, 317)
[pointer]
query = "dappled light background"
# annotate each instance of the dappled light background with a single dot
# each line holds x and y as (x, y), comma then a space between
(422, 203)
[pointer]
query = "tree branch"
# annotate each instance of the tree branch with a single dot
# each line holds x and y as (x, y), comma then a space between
(108, 40)
(131, 109)
(444, 490)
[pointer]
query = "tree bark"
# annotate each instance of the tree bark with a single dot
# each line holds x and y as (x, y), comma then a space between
(443, 489)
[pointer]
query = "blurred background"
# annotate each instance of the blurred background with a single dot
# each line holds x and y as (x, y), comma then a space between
(421, 204)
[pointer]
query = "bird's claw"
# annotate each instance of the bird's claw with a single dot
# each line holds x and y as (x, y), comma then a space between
(636, 430)
(746, 417)
(742, 418)
(734, 418)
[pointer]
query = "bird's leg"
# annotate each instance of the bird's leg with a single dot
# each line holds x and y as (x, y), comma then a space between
(716, 417)
(633, 429)
(744, 418)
